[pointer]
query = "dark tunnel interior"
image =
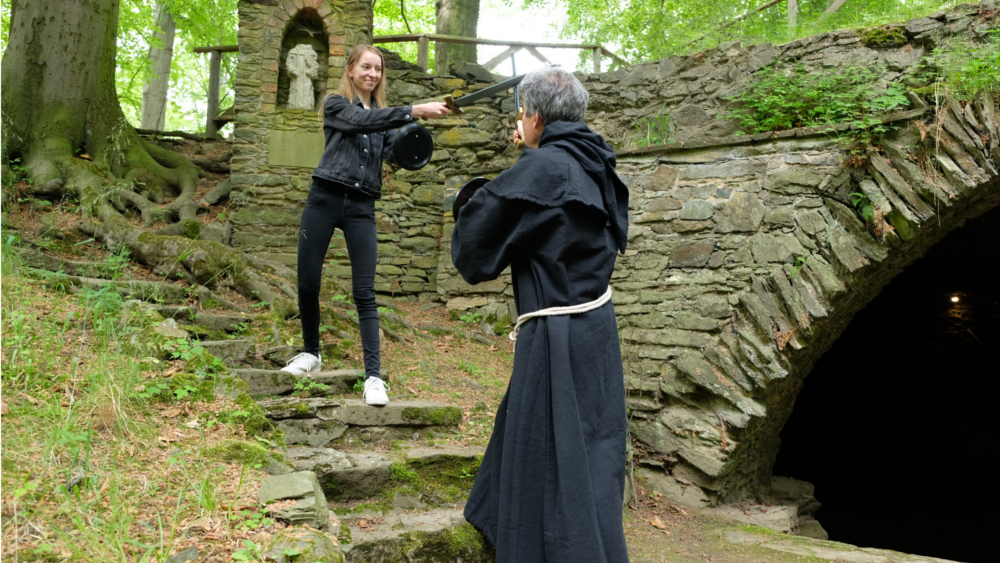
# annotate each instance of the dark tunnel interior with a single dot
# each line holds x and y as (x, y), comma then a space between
(896, 424)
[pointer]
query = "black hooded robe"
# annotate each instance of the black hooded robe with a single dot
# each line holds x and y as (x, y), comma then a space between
(551, 483)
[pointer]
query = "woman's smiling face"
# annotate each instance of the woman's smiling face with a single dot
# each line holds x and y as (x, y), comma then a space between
(367, 72)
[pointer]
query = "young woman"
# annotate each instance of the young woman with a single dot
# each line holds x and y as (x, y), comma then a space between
(359, 131)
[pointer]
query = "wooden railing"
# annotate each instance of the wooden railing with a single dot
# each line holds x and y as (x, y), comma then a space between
(214, 121)
(423, 48)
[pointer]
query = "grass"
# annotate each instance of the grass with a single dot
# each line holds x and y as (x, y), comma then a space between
(94, 468)
(107, 457)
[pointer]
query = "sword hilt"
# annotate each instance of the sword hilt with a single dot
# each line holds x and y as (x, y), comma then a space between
(450, 102)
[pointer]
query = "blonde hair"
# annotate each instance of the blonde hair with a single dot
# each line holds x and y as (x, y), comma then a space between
(347, 88)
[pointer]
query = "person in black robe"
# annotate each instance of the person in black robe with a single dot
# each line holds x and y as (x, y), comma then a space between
(551, 485)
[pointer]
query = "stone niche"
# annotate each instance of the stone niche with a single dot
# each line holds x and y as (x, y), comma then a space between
(276, 148)
(306, 28)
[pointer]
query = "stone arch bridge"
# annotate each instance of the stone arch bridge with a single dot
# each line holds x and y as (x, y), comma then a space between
(747, 254)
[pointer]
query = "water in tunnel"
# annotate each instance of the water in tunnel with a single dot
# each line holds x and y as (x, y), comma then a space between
(896, 424)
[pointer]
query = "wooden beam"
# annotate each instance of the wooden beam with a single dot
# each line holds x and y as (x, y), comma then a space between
(495, 61)
(423, 52)
(219, 48)
(618, 59)
(214, 72)
(534, 52)
(409, 37)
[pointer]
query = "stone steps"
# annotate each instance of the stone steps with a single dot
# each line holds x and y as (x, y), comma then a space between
(320, 422)
(277, 382)
(422, 475)
(434, 536)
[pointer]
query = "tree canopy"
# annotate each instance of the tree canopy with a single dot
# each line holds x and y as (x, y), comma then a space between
(636, 30)
(639, 30)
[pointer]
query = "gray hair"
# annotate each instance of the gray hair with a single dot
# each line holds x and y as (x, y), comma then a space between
(555, 94)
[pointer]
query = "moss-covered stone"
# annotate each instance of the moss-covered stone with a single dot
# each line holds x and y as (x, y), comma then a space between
(251, 454)
(296, 543)
(462, 542)
(437, 416)
(883, 37)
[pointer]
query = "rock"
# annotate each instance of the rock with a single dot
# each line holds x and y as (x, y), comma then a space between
(672, 489)
(232, 352)
(303, 487)
(811, 528)
(470, 71)
(781, 519)
(424, 456)
(312, 546)
(696, 210)
(921, 25)
(170, 329)
(463, 137)
(465, 303)
(47, 228)
(159, 340)
(792, 180)
(344, 476)
(219, 192)
(742, 212)
(408, 502)
(691, 254)
(312, 432)
(189, 554)
(775, 248)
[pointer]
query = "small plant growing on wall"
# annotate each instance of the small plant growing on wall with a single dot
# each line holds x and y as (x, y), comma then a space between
(654, 130)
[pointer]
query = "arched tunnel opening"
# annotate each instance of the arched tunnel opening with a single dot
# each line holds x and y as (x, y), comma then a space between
(896, 424)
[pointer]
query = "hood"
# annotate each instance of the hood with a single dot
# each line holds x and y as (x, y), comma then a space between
(597, 158)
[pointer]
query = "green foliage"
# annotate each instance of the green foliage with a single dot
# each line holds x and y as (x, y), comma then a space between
(249, 552)
(470, 318)
(389, 21)
(883, 37)
(655, 130)
(470, 367)
(643, 30)
(400, 473)
(199, 23)
(307, 387)
(864, 206)
(966, 68)
(784, 96)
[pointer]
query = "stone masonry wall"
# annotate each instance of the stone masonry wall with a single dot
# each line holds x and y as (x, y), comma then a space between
(746, 256)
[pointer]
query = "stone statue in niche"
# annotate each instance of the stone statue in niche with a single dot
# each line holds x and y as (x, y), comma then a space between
(303, 67)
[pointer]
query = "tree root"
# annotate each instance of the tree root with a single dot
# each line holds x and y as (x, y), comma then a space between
(182, 134)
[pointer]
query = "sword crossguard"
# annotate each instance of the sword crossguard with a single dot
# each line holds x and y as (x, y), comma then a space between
(450, 102)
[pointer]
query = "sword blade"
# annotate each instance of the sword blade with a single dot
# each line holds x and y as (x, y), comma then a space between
(500, 87)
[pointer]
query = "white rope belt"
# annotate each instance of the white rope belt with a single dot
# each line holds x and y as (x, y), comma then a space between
(570, 310)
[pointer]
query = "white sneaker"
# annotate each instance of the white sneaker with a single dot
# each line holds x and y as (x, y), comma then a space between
(374, 393)
(303, 364)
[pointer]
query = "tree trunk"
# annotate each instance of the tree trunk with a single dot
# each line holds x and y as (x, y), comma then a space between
(455, 17)
(59, 101)
(154, 92)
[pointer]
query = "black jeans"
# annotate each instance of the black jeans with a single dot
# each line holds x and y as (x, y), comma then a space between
(331, 205)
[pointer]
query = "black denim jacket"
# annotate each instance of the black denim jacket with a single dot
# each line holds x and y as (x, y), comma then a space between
(357, 139)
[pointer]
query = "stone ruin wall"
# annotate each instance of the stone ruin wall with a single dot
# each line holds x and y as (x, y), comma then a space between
(745, 261)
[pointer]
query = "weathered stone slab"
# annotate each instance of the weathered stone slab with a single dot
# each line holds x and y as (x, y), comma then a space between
(303, 487)
(344, 476)
(423, 456)
(311, 431)
(355, 412)
(232, 352)
(295, 149)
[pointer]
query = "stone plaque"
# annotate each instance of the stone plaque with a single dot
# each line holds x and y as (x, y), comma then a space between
(301, 149)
